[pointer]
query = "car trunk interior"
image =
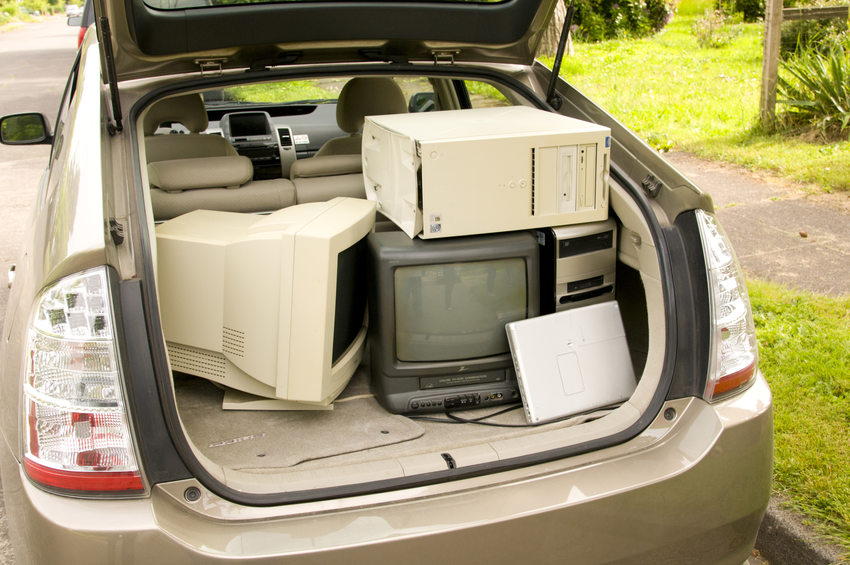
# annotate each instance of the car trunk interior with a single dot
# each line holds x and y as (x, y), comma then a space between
(361, 442)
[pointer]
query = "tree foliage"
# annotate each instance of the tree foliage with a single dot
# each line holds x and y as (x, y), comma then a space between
(596, 20)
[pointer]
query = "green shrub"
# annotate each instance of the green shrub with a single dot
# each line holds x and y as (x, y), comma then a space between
(751, 10)
(814, 87)
(8, 12)
(748, 10)
(715, 29)
(798, 35)
(597, 20)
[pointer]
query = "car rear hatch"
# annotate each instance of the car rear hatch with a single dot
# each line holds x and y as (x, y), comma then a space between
(164, 37)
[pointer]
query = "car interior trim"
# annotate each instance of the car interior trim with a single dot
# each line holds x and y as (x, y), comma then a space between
(162, 32)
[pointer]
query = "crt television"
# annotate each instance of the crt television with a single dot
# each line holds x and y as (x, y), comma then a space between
(437, 312)
(269, 305)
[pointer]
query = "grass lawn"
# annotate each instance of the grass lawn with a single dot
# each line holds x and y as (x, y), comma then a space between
(705, 101)
(804, 348)
(700, 100)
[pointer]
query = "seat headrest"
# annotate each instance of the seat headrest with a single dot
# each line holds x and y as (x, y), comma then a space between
(326, 166)
(367, 96)
(188, 109)
(204, 172)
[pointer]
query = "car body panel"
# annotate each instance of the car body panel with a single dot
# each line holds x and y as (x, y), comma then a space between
(73, 216)
(66, 233)
(584, 510)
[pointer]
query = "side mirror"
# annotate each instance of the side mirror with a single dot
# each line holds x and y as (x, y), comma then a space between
(422, 102)
(75, 21)
(24, 129)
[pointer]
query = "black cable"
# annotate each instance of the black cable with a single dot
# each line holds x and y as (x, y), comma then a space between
(453, 419)
(458, 420)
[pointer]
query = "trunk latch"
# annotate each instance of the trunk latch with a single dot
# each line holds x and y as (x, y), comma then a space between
(446, 57)
(210, 67)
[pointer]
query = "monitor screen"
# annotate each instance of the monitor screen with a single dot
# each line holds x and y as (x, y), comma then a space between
(248, 124)
(350, 304)
(453, 311)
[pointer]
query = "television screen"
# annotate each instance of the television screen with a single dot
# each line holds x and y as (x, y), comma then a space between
(437, 315)
(458, 310)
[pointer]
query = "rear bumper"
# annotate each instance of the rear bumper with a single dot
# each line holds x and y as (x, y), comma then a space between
(689, 489)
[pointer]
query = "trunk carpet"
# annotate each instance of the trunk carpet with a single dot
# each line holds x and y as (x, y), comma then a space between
(254, 440)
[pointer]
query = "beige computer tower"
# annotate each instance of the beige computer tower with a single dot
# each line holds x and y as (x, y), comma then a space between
(464, 172)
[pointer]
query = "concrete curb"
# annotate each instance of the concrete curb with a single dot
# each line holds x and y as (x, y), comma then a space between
(785, 539)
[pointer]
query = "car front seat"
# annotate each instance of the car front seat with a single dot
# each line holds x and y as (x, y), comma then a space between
(361, 97)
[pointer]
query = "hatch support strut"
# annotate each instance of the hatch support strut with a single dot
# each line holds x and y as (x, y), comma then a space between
(106, 39)
(552, 98)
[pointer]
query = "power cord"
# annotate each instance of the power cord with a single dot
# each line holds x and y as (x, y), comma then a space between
(574, 419)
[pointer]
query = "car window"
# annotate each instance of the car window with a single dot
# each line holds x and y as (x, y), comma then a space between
(316, 91)
(303, 111)
(484, 95)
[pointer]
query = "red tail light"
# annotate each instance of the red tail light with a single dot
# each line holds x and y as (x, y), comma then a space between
(734, 351)
(78, 436)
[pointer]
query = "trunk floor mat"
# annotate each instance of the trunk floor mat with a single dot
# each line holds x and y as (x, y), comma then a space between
(256, 440)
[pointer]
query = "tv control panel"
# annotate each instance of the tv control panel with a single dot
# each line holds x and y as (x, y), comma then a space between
(463, 401)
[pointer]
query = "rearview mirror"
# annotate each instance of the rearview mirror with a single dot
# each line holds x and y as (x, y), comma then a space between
(24, 129)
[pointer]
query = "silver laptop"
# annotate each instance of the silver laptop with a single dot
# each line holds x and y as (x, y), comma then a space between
(572, 361)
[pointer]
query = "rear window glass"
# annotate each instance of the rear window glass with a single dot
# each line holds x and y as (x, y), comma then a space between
(309, 91)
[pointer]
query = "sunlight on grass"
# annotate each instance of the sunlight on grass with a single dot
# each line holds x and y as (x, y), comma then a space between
(804, 347)
(703, 101)
(280, 92)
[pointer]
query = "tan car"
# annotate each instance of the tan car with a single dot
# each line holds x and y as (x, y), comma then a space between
(356, 282)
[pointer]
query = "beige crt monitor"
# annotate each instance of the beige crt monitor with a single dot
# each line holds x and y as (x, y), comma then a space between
(465, 172)
(269, 305)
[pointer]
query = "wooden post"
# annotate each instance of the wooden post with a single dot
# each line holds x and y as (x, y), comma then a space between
(770, 63)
